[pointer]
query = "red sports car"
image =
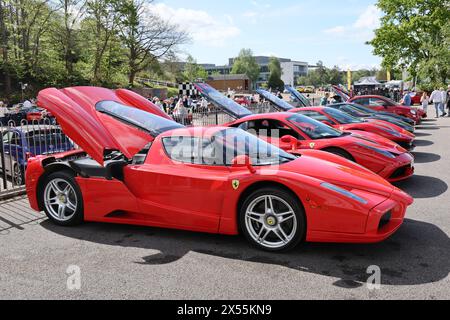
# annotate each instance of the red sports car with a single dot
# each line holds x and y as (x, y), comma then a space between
(139, 168)
(380, 103)
(295, 133)
(344, 121)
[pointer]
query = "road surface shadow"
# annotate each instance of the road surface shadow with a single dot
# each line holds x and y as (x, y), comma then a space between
(423, 143)
(422, 134)
(419, 253)
(425, 157)
(423, 187)
(428, 128)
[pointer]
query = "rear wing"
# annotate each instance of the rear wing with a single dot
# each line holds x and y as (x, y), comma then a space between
(299, 97)
(277, 102)
(227, 105)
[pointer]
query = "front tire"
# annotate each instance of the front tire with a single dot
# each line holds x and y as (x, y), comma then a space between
(272, 220)
(62, 200)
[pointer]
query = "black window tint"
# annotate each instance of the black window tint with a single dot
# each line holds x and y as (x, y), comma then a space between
(362, 101)
(315, 115)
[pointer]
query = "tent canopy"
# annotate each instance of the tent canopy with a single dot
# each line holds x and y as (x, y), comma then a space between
(368, 81)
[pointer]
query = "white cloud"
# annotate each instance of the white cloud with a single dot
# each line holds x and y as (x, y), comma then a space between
(362, 29)
(202, 27)
(338, 30)
(369, 19)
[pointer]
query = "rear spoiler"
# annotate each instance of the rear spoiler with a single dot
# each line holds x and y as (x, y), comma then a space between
(227, 105)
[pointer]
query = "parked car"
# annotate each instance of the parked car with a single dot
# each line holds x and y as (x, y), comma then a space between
(343, 121)
(243, 100)
(139, 168)
(380, 103)
(356, 111)
(21, 143)
(298, 134)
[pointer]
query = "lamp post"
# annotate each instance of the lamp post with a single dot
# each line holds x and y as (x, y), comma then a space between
(23, 86)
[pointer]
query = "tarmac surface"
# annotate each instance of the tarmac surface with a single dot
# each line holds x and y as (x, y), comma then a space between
(39, 260)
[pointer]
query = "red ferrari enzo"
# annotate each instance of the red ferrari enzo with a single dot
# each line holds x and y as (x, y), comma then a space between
(142, 169)
(344, 121)
(380, 103)
(296, 133)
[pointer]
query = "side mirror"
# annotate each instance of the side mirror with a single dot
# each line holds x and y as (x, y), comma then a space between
(243, 161)
(290, 140)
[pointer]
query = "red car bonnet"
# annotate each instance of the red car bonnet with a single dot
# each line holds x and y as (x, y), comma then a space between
(94, 132)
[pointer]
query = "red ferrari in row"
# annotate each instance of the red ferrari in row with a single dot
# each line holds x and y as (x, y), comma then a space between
(139, 168)
(296, 133)
(343, 121)
(384, 104)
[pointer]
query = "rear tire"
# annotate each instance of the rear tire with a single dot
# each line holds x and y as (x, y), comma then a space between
(62, 200)
(273, 220)
(18, 176)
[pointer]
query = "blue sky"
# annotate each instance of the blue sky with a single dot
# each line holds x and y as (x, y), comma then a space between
(333, 31)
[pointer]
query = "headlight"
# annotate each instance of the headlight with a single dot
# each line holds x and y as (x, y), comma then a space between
(413, 112)
(343, 192)
(382, 152)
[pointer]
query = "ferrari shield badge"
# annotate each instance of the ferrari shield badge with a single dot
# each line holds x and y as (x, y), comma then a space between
(312, 145)
(235, 184)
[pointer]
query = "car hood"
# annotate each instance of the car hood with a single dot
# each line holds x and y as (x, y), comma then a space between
(93, 131)
(375, 141)
(340, 175)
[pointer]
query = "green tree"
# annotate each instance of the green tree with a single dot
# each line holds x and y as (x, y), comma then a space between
(414, 36)
(275, 81)
(246, 63)
(193, 71)
(146, 36)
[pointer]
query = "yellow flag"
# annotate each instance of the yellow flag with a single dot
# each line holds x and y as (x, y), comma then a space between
(349, 79)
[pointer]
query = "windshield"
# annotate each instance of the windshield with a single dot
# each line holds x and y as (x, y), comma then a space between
(354, 112)
(313, 128)
(363, 109)
(223, 147)
(140, 119)
(341, 117)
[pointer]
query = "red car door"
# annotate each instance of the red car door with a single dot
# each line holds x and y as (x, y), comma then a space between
(178, 192)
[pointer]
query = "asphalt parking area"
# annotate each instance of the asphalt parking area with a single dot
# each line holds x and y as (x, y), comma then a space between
(119, 262)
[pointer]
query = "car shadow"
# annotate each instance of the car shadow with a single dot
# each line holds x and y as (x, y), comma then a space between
(423, 187)
(417, 254)
(423, 143)
(422, 134)
(425, 157)
(428, 128)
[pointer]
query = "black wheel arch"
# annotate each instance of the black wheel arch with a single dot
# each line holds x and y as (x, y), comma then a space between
(48, 170)
(338, 149)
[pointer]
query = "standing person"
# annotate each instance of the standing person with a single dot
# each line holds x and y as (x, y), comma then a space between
(324, 100)
(406, 101)
(448, 100)
(279, 95)
(437, 98)
(180, 112)
(425, 101)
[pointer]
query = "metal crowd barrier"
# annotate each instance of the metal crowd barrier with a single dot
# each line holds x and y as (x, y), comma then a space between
(22, 140)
